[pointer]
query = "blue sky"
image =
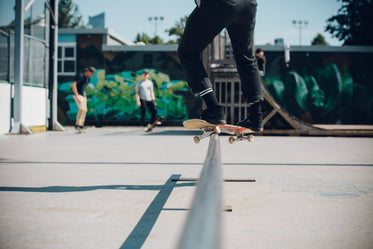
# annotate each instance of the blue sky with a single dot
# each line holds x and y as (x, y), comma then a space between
(274, 17)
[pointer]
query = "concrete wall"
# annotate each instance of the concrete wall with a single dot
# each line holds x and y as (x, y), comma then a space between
(35, 108)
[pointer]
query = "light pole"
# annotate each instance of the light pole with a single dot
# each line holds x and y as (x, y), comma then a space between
(156, 20)
(300, 24)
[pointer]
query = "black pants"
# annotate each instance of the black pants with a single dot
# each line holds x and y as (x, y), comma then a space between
(206, 22)
(151, 107)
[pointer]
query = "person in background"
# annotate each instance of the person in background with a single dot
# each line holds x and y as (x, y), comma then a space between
(261, 60)
(80, 97)
(145, 97)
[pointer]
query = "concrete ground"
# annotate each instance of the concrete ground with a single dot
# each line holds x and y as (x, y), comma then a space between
(113, 188)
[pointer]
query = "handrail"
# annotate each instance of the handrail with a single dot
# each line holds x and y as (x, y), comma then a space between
(202, 228)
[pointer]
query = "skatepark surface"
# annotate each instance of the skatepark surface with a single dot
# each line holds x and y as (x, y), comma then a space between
(116, 187)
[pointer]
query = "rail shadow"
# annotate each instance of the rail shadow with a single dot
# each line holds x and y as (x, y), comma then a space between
(141, 231)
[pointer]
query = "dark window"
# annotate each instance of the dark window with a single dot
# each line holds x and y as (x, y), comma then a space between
(69, 66)
(69, 52)
(59, 52)
(59, 65)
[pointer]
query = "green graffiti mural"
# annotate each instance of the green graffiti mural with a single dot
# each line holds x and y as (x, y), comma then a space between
(321, 96)
(323, 87)
(112, 96)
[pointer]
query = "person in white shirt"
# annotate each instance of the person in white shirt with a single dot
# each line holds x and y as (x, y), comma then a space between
(145, 97)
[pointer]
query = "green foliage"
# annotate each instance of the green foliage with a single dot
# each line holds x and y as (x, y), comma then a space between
(319, 40)
(68, 15)
(147, 39)
(178, 29)
(353, 23)
(156, 40)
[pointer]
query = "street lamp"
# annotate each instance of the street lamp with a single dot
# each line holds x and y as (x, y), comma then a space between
(156, 20)
(300, 24)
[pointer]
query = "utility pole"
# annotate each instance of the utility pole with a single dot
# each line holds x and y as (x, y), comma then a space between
(53, 124)
(300, 24)
(18, 127)
(156, 20)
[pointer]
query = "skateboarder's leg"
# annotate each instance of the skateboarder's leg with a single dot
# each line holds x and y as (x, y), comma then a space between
(202, 26)
(241, 34)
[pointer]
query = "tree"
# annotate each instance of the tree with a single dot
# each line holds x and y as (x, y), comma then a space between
(178, 29)
(353, 23)
(156, 40)
(142, 38)
(319, 40)
(68, 15)
(148, 40)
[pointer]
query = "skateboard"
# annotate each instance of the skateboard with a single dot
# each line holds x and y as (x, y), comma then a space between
(149, 128)
(80, 131)
(239, 133)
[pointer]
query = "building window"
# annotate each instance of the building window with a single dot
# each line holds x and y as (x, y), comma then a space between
(66, 58)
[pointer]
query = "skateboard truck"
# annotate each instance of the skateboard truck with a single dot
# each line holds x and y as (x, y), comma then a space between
(241, 137)
(207, 131)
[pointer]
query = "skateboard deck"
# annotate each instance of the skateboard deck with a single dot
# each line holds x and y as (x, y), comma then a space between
(150, 128)
(238, 133)
(200, 124)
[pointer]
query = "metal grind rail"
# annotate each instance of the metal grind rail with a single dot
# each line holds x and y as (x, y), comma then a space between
(203, 225)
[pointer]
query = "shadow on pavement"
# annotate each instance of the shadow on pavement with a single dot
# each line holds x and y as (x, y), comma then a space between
(141, 231)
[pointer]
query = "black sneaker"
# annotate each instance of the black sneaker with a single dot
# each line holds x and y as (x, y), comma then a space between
(253, 122)
(214, 116)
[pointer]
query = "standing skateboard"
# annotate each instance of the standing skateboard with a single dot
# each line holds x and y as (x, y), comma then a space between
(149, 128)
(80, 131)
(239, 133)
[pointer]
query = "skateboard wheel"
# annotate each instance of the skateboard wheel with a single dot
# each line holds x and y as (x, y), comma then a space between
(217, 130)
(231, 140)
(250, 138)
(196, 139)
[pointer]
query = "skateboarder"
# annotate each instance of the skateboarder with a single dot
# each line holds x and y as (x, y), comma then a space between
(145, 97)
(80, 97)
(207, 20)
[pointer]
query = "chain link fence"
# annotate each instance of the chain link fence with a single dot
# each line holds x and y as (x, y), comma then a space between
(35, 60)
(5, 60)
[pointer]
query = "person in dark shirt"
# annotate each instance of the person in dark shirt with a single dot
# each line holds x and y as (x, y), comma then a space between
(80, 97)
(261, 60)
(207, 20)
